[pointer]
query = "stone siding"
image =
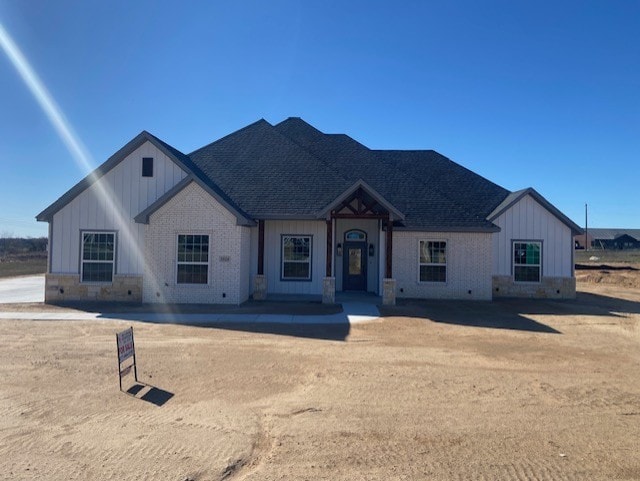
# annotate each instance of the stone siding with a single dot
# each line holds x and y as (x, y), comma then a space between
(548, 288)
(67, 287)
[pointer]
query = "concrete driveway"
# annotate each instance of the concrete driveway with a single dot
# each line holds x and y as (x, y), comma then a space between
(22, 289)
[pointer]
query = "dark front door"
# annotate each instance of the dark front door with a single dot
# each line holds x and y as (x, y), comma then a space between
(354, 267)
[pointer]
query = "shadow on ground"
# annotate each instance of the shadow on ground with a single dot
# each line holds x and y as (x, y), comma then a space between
(324, 332)
(312, 320)
(510, 313)
(150, 394)
(248, 307)
(494, 315)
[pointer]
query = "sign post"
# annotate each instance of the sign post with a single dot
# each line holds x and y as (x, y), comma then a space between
(126, 349)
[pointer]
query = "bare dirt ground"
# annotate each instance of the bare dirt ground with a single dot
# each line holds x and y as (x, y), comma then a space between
(509, 390)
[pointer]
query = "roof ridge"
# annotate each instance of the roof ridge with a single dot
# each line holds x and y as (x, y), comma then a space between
(444, 194)
(322, 161)
(407, 175)
(259, 121)
(462, 209)
(197, 172)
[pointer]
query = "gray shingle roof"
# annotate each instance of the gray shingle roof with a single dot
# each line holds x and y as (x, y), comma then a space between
(293, 170)
(612, 233)
(433, 191)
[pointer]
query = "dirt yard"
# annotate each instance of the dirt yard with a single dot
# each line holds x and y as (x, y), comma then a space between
(509, 390)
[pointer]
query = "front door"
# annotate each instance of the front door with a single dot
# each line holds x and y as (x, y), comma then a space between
(354, 267)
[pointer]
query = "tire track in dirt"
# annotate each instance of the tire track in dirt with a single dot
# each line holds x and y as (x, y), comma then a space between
(148, 443)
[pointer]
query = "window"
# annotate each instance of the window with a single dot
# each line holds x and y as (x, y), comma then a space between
(296, 257)
(147, 167)
(526, 261)
(433, 261)
(98, 255)
(355, 235)
(193, 259)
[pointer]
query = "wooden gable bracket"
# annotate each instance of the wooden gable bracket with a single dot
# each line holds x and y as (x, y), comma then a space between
(363, 208)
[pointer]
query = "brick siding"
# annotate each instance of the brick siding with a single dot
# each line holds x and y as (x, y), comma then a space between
(469, 266)
(194, 211)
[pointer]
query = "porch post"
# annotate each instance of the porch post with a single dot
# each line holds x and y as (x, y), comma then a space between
(329, 246)
(389, 244)
(329, 282)
(260, 281)
(389, 283)
(261, 247)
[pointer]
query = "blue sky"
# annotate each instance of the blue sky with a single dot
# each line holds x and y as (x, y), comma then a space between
(541, 94)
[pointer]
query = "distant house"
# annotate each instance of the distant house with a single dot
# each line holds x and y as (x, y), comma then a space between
(610, 239)
(287, 209)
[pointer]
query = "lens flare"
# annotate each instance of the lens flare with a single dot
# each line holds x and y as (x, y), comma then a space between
(74, 145)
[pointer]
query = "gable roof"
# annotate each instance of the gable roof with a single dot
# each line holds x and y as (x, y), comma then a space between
(182, 160)
(612, 233)
(115, 159)
(268, 175)
(361, 184)
(514, 197)
(143, 217)
(293, 170)
(429, 202)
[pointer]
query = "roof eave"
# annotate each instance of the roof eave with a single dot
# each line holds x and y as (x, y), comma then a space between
(480, 230)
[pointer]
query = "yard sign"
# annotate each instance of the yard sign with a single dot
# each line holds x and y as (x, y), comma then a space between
(126, 349)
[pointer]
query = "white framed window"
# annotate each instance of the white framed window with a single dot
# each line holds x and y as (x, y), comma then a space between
(98, 256)
(527, 261)
(193, 259)
(433, 260)
(296, 257)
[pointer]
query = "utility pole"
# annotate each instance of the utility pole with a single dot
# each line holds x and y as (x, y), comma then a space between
(586, 227)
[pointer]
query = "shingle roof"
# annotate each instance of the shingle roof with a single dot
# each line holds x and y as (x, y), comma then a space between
(293, 170)
(433, 191)
(267, 174)
(612, 233)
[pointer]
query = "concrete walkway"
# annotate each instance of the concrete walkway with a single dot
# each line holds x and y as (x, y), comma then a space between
(352, 313)
(15, 290)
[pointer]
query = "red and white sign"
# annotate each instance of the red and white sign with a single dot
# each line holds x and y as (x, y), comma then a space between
(125, 344)
(126, 349)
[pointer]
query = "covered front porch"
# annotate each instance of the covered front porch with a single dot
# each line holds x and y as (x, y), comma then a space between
(355, 244)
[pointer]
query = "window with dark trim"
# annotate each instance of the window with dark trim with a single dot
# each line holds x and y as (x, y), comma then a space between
(355, 235)
(193, 259)
(98, 256)
(296, 257)
(433, 261)
(527, 256)
(147, 167)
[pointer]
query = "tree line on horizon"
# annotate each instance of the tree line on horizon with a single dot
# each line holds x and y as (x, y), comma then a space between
(22, 245)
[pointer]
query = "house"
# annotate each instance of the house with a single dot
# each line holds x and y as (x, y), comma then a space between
(599, 238)
(287, 209)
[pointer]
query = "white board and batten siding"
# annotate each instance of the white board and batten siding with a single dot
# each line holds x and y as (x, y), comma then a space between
(273, 231)
(528, 220)
(128, 193)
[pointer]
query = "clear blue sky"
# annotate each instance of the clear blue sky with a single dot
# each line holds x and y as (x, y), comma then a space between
(541, 94)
